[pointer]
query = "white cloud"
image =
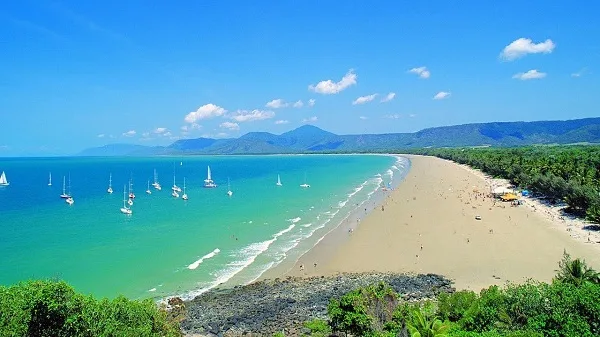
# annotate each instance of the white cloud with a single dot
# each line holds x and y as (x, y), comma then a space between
(311, 102)
(221, 135)
(529, 75)
(146, 134)
(363, 117)
(203, 112)
(412, 115)
(364, 99)
(250, 116)
(129, 133)
(230, 126)
(394, 116)
(441, 95)
(298, 104)
(328, 87)
(277, 104)
(281, 121)
(167, 134)
(579, 73)
(421, 71)
(310, 119)
(160, 130)
(101, 135)
(388, 97)
(184, 128)
(522, 46)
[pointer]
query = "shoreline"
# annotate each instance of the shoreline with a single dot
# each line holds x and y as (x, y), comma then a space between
(429, 226)
(350, 221)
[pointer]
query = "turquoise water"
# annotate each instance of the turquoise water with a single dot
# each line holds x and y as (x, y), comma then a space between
(170, 246)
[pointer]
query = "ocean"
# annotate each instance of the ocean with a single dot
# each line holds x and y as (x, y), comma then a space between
(170, 246)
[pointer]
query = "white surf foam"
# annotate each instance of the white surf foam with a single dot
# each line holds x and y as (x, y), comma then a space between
(294, 220)
(205, 257)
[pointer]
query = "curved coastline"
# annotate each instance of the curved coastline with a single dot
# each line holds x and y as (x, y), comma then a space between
(429, 226)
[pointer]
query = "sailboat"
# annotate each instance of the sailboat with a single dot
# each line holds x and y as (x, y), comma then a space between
(305, 185)
(279, 181)
(125, 209)
(130, 201)
(175, 188)
(70, 199)
(131, 194)
(184, 196)
(3, 181)
(148, 190)
(229, 192)
(109, 190)
(50, 179)
(208, 182)
(64, 194)
(155, 183)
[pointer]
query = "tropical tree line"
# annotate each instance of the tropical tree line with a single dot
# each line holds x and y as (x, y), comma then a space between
(559, 173)
(568, 306)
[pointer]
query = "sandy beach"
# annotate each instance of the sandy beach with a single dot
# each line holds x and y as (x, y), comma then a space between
(428, 225)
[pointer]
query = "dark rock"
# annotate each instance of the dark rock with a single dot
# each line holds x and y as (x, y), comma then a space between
(266, 307)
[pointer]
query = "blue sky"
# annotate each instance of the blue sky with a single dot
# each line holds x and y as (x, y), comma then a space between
(77, 74)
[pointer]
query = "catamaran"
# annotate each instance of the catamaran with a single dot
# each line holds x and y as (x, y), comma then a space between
(50, 179)
(279, 181)
(184, 196)
(208, 182)
(3, 181)
(305, 185)
(229, 192)
(125, 209)
(64, 194)
(130, 201)
(109, 190)
(148, 189)
(155, 183)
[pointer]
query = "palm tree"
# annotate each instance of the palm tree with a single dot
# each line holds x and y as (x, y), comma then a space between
(575, 271)
(421, 325)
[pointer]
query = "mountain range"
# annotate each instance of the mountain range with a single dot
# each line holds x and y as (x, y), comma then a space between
(311, 139)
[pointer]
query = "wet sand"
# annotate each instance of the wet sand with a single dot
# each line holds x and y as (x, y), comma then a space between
(428, 225)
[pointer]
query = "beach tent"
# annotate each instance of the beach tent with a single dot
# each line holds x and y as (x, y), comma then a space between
(525, 193)
(501, 190)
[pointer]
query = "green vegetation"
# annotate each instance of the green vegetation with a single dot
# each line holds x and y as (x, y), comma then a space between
(569, 306)
(318, 328)
(559, 173)
(49, 308)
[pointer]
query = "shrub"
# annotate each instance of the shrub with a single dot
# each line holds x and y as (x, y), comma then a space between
(49, 308)
(364, 310)
(318, 327)
(453, 306)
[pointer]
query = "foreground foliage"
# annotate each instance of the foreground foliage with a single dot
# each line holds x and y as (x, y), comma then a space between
(48, 308)
(569, 306)
(560, 173)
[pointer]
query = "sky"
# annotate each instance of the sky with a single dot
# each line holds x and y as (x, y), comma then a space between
(78, 74)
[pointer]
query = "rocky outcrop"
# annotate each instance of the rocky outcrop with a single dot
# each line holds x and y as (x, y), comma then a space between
(282, 305)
